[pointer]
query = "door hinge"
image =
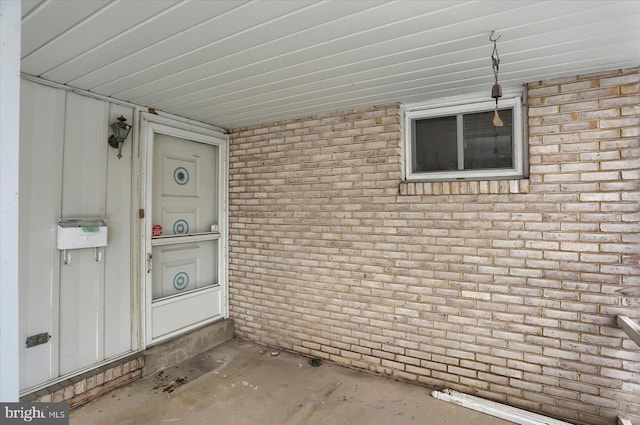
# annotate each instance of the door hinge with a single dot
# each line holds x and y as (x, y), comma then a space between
(141, 213)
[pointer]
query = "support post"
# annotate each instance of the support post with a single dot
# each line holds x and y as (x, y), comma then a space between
(9, 158)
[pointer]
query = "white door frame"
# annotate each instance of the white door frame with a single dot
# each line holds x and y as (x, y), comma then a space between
(149, 125)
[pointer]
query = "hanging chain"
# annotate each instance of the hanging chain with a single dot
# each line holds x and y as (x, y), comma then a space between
(496, 90)
(495, 59)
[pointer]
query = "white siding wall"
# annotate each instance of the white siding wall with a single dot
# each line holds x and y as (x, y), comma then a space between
(67, 170)
(41, 140)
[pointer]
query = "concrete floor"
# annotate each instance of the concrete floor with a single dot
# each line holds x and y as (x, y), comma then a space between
(239, 383)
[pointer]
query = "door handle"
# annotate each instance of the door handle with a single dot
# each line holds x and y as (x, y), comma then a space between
(149, 262)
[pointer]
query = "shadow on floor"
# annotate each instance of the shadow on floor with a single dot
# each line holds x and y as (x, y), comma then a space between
(239, 383)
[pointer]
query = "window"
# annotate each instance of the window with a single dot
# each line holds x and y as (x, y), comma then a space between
(455, 142)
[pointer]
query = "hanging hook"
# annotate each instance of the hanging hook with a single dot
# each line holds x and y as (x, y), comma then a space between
(491, 39)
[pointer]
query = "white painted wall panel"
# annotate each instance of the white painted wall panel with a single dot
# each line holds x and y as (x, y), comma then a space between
(69, 171)
(41, 140)
(85, 150)
(81, 311)
(83, 195)
(117, 258)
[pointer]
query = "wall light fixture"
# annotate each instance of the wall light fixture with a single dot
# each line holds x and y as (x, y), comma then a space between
(120, 130)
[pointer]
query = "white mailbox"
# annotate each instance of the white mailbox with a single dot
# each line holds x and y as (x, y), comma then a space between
(76, 233)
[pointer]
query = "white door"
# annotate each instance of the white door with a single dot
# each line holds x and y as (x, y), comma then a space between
(185, 243)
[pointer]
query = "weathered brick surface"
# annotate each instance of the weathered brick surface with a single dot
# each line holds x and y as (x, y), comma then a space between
(93, 384)
(505, 289)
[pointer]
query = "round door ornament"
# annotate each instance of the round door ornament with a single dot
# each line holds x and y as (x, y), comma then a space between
(181, 176)
(180, 281)
(180, 227)
(157, 230)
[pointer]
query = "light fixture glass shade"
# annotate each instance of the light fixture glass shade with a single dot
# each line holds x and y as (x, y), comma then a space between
(120, 129)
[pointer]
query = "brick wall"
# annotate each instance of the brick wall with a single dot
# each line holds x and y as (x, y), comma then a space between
(504, 289)
(90, 385)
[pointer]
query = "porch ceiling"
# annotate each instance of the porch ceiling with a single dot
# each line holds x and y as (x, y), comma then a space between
(239, 63)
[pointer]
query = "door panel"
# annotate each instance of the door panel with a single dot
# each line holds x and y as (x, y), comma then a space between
(194, 308)
(183, 245)
(181, 268)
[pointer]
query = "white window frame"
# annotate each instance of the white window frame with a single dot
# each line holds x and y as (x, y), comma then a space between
(464, 105)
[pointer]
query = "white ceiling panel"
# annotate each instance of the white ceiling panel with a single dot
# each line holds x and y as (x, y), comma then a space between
(166, 56)
(237, 63)
(320, 49)
(439, 63)
(405, 90)
(28, 6)
(169, 22)
(255, 48)
(52, 19)
(107, 22)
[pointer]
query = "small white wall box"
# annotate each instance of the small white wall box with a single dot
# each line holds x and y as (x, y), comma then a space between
(76, 233)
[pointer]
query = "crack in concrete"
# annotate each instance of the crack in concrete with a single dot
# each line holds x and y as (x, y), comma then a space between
(307, 410)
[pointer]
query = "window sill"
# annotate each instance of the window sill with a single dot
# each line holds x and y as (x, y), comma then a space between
(494, 187)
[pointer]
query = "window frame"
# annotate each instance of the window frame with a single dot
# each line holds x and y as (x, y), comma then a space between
(464, 105)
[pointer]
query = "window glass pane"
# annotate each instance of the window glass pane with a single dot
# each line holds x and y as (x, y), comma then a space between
(485, 145)
(185, 197)
(435, 144)
(184, 267)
